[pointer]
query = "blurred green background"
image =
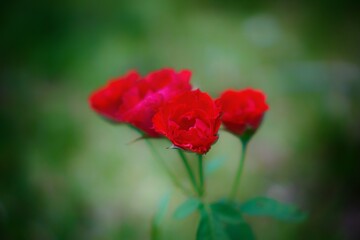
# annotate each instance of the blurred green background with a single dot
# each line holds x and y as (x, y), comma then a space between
(67, 174)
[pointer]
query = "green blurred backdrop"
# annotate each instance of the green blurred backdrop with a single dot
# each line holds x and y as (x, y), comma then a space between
(67, 174)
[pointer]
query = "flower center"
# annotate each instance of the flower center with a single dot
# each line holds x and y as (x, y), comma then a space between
(186, 123)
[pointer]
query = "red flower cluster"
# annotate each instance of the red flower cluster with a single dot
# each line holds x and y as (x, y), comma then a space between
(162, 104)
(135, 100)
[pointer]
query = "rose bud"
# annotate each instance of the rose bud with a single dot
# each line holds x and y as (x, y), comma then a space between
(107, 100)
(190, 121)
(243, 111)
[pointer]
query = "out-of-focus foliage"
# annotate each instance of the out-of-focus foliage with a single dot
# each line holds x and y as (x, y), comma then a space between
(67, 174)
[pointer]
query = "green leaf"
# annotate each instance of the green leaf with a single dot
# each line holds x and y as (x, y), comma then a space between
(159, 216)
(210, 228)
(262, 206)
(241, 231)
(214, 164)
(187, 208)
(226, 212)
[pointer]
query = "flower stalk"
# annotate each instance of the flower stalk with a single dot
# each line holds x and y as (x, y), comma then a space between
(161, 162)
(201, 175)
(189, 171)
(239, 171)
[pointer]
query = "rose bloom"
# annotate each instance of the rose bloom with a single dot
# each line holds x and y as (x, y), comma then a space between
(134, 100)
(106, 100)
(242, 110)
(190, 121)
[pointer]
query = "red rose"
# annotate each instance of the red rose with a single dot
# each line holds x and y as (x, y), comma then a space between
(106, 100)
(190, 121)
(143, 101)
(138, 103)
(242, 110)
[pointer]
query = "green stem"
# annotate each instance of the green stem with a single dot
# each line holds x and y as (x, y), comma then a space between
(201, 175)
(160, 160)
(210, 221)
(239, 171)
(189, 171)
